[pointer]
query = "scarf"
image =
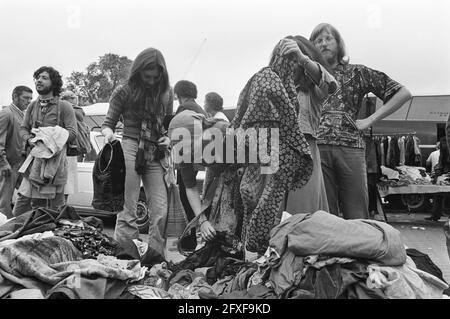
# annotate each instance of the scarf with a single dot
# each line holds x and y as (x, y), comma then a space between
(152, 129)
(269, 100)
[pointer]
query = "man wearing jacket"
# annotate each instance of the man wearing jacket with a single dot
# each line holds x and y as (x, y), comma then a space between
(47, 111)
(11, 145)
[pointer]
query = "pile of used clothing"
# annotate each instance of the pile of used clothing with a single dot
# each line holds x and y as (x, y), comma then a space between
(404, 176)
(310, 256)
(443, 180)
(49, 254)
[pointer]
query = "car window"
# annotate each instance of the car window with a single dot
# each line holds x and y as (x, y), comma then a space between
(94, 122)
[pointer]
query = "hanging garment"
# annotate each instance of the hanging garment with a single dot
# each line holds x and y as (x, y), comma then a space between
(108, 178)
(417, 152)
(409, 151)
(394, 153)
(389, 151)
(382, 152)
(401, 146)
(371, 156)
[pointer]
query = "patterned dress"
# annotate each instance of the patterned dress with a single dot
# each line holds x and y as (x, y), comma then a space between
(269, 100)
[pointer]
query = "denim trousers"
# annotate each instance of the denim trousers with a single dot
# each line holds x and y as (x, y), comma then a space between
(156, 193)
(22, 205)
(345, 177)
(56, 203)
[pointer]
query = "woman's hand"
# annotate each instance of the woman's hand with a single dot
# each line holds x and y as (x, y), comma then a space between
(289, 46)
(164, 141)
(207, 230)
(108, 134)
(363, 124)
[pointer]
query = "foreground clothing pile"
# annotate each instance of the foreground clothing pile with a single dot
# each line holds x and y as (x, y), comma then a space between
(310, 256)
(48, 254)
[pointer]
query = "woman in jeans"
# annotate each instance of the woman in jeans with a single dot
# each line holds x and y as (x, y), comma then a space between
(143, 102)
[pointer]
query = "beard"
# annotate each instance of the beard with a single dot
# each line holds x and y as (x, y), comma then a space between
(44, 91)
(330, 57)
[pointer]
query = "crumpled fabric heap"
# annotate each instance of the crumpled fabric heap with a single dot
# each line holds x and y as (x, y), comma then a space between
(405, 282)
(89, 241)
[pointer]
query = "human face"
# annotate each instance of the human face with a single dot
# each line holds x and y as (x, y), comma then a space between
(327, 45)
(150, 77)
(43, 83)
(23, 100)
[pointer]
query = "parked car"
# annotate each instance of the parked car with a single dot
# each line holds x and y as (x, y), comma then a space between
(82, 199)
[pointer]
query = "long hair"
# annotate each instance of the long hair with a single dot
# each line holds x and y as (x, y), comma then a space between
(55, 77)
(308, 48)
(138, 90)
(335, 33)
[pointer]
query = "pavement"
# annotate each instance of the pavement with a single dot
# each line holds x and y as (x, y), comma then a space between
(425, 236)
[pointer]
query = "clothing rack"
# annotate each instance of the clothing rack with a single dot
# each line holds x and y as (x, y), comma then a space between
(389, 134)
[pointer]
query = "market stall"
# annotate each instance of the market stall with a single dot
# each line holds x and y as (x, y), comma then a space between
(412, 195)
(396, 175)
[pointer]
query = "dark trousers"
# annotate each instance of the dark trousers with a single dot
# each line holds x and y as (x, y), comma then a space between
(345, 177)
(190, 241)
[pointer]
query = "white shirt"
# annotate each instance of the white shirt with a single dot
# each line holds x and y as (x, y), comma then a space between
(434, 159)
(221, 116)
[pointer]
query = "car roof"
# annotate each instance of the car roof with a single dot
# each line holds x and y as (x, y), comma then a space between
(96, 109)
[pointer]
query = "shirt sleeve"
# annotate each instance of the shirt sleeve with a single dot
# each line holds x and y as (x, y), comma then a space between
(116, 108)
(189, 175)
(69, 120)
(25, 127)
(4, 126)
(327, 84)
(378, 83)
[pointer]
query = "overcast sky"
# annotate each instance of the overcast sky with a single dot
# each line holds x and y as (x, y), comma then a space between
(219, 45)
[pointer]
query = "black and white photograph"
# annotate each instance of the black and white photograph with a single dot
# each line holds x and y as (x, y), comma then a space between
(225, 156)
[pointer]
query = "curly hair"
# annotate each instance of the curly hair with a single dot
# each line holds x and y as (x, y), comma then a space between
(55, 77)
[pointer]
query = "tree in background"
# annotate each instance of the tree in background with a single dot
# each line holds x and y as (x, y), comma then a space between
(97, 83)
